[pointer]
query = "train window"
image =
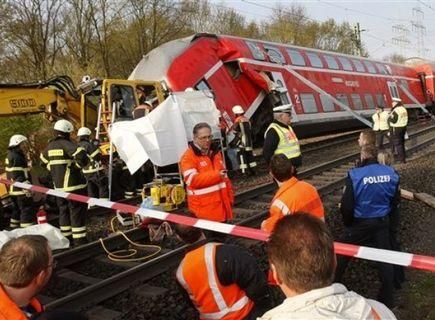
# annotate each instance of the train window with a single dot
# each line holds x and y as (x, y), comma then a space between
(380, 100)
(345, 63)
(370, 67)
(308, 102)
(331, 62)
(358, 65)
(233, 69)
(381, 68)
(405, 84)
(327, 103)
(256, 51)
(357, 102)
(274, 54)
(123, 101)
(296, 58)
(202, 85)
(314, 60)
(343, 99)
(369, 101)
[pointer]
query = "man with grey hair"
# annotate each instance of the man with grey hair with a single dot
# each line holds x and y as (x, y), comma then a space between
(280, 137)
(370, 197)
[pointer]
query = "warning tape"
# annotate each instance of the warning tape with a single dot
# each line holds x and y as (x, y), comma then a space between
(379, 255)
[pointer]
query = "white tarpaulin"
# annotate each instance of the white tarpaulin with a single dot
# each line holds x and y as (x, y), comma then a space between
(55, 238)
(162, 135)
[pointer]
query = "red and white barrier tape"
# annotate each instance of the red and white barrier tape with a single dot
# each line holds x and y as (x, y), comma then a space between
(393, 257)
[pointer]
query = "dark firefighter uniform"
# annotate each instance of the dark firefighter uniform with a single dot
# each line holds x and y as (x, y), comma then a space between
(23, 213)
(64, 159)
(398, 123)
(224, 282)
(242, 127)
(371, 196)
(98, 185)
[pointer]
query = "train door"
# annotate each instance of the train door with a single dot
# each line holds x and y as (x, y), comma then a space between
(283, 92)
(392, 88)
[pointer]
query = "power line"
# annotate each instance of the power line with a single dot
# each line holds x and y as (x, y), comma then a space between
(426, 5)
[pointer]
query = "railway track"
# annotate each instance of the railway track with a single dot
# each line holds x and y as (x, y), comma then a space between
(251, 207)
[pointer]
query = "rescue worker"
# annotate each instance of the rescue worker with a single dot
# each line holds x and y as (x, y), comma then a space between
(242, 128)
(398, 121)
(280, 138)
(64, 159)
(380, 125)
(22, 279)
(23, 213)
(94, 172)
(366, 137)
(371, 195)
(223, 281)
(292, 196)
(302, 259)
(209, 191)
(142, 110)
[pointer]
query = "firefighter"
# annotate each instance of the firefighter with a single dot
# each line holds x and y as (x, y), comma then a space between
(380, 125)
(23, 212)
(280, 138)
(292, 196)
(223, 281)
(242, 128)
(94, 172)
(64, 159)
(398, 121)
(209, 191)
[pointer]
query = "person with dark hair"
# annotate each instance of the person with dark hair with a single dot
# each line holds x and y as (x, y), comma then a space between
(302, 259)
(293, 194)
(64, 159)
(223, 281)
(209, 191)
(23, 212)
(398, 122)
(26, 264)
(380, 125)
(371, 196)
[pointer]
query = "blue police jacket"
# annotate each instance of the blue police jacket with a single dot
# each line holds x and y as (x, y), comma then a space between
(374, 187)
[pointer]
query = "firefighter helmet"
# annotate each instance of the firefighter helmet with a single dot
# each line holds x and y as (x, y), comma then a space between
(63, 126)
(16, 139)
(286, 108)
(238, 110)
(83, 131)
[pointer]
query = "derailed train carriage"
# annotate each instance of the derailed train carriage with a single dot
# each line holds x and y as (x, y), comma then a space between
(329, 90)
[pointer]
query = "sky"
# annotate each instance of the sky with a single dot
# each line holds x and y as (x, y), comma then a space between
(381, 21)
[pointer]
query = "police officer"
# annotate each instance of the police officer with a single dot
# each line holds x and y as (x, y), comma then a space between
(380, 125)
(23, 213)
(280, 138)
(64, 159)
(398, 121)
(242, 128)
(94, 171)
(371, 195)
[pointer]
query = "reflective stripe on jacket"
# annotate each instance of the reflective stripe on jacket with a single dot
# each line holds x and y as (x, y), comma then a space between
(209, 196)
(380, 121)
(243, 127)
(65, 160)
(197, 274)
(16, 170)
(374, 187)
(294, 196)
(10, 311)
(288, 142)
(402, 117)
(94, 155)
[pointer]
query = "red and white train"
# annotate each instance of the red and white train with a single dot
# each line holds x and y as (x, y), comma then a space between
(257, 75)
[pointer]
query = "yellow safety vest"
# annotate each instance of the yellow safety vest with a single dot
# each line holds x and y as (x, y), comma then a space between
(288, 142)
(380, 121)
(402, 119)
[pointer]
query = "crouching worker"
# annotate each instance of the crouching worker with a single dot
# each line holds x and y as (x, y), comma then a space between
(223, 281)
(301, 254)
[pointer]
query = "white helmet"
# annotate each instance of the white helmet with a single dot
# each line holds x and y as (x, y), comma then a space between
(238, 110)
(83, 131)
(16, 139)
(63, 126)
(285, 108)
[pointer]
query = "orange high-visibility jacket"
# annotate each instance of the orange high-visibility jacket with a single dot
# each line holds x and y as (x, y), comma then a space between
(197, 274)
(209, 196)
(10, 311)
(294, 196)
